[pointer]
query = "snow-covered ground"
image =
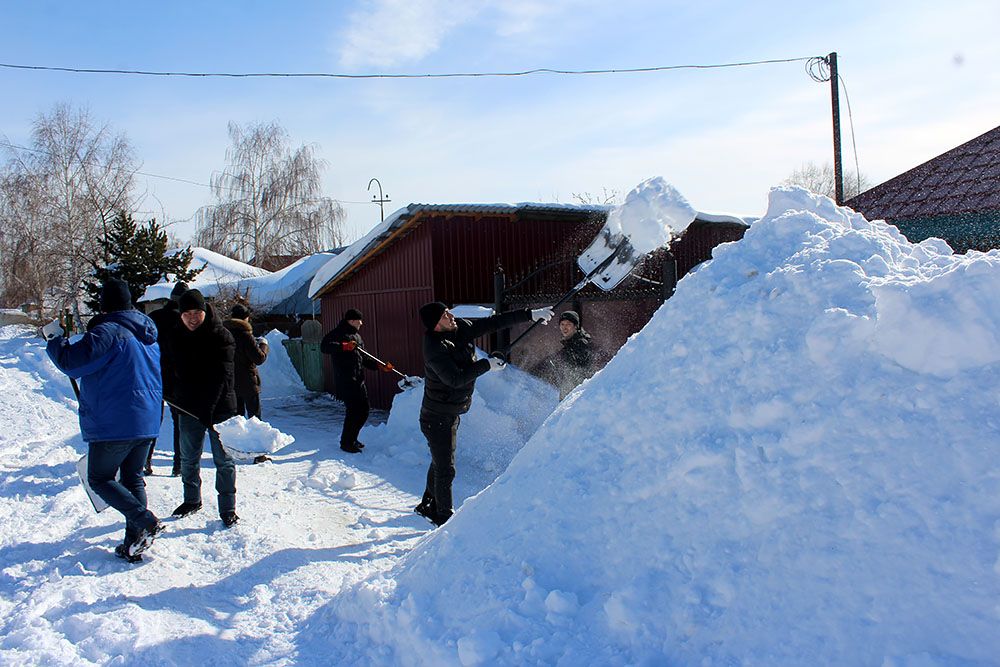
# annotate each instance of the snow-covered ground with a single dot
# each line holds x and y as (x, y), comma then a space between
(796, 462)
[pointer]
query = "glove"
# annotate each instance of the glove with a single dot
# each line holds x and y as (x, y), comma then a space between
(542, 315)
(387, 367)
(52, 330)
(262, 341)
(496, 363)
(348, 346)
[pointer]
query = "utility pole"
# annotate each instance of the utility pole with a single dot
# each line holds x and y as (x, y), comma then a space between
(381, 199)
(838, 167)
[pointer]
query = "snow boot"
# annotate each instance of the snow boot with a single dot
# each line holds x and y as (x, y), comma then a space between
(351, 449)
(359, 444)
(145, 539)
(186, 508)
(426, 509)
(122, 552)
(230, 519)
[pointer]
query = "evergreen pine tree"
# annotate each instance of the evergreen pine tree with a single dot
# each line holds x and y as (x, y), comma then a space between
(138, 255)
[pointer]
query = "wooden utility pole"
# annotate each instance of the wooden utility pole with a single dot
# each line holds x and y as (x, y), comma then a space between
(838, 167)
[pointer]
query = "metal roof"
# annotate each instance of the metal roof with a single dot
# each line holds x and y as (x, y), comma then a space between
(966, 179)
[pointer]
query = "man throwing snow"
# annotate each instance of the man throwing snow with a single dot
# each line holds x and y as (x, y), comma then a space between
(201, 352)
(450, 370)
(118, 363)
(574, 363)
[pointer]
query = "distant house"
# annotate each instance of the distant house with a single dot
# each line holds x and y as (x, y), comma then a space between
(517, 255)
(955, 197)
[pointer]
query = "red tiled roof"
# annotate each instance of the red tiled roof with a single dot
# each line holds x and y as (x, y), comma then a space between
(963, 180)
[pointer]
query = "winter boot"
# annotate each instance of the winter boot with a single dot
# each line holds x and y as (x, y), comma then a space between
(230, 519)
(186, 508)
(122, 552)
(351, 449)
(426, 509)
(359, 444)
(145, 539)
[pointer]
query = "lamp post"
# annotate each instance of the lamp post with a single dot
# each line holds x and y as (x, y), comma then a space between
(381, 199)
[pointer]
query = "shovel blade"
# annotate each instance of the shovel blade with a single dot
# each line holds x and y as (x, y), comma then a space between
(606, 245)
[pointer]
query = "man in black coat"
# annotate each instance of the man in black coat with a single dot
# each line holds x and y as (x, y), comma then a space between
(165, 319)
(574, 362)
(344, 344)
(250, 353)
(201, 356)
(450, 372)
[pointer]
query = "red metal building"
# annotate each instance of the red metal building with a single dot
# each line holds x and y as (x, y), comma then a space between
(452, 253)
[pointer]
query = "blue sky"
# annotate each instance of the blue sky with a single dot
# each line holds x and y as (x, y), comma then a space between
(921, 76)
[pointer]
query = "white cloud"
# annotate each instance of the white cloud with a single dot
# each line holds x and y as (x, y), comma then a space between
(386, 33)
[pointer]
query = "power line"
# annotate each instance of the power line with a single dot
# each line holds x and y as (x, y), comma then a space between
(450, 75)
(144, 173)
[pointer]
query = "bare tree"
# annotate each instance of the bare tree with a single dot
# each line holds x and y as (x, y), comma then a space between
(269, 200)
(820, 179)
(606, 198)
(57, 196)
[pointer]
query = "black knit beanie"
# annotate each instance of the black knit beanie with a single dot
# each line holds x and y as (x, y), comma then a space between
(353, 314)
(239, 312)
(430, 314)
(191, 300)
(115, 296)
(178, 289)
(571, 316)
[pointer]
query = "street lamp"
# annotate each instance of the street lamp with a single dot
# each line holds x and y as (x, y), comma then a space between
(380, 200)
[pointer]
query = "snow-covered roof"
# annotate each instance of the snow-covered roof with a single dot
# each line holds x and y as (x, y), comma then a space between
(281, 292)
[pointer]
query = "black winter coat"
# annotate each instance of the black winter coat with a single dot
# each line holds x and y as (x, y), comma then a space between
(450, 364)
(202, 361)
(165, 319)
(249, 354)
(348, 366)
(575, 362)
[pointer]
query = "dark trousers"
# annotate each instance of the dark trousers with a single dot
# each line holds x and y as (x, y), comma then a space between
(192, 445)
(356, 410)
(127, 494)
(441, 432)
(177, 440)
(248, 405)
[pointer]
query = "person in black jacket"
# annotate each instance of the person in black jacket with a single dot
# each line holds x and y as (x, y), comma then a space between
(165, 319)
(450, 372)
(250, 353)
(574, 362)
(344, 344)
(201, 356)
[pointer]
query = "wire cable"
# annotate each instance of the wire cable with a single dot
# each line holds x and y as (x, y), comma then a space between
(451, 75)
(850, 117)
(144, 173)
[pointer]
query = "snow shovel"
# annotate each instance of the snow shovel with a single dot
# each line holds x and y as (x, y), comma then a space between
(605, 265)
(251, 429)
(405, 383)
(81, 468)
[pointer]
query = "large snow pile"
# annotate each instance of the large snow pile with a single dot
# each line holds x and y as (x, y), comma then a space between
(795, 462)
(278, 377)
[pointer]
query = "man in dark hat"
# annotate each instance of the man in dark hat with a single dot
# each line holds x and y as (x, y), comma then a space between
(344, 345)
(201, 355)
(250, 353)
(165, 319)
(450, 372)
(574, 362)
(118, 363)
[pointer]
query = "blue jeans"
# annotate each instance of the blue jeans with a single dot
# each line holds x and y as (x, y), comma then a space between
(192, 445)
(127, 494)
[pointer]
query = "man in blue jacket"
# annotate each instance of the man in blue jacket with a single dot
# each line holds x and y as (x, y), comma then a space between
(118, 363)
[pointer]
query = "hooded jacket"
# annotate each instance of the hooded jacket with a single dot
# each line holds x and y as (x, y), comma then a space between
(248, 355)
(575, 362)
(450, 364)
(202, 362)
(118, 363)
(348, 365)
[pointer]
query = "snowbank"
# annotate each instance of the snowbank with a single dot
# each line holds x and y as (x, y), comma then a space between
(278, 377)
(795, 462)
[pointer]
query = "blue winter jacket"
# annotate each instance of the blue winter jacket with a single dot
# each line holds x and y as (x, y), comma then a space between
(119, 362)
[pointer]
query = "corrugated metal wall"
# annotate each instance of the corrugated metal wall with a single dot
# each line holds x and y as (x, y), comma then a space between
(388, 292)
